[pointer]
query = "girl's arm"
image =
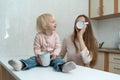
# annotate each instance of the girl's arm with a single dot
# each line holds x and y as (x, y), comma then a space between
(37, 47)
(57, 47)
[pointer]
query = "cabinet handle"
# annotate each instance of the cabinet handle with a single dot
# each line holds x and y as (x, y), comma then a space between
(0, 68)
(116, 58)
(116, 68)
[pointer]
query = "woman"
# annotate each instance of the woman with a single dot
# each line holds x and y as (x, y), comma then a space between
(81, 46)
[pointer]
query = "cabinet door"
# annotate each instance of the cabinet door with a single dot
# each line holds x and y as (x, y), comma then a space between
(5, 75)
(114, 58)
(108, 7)
(9, 76)
(118, 6)
(100, 61)
(94, 8)
(0, 73)
(114, 65)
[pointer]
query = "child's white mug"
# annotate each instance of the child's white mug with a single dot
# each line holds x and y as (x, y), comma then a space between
(45, 58)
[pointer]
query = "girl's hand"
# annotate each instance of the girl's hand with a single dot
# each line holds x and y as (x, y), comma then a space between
(39, 60)
(53, 56)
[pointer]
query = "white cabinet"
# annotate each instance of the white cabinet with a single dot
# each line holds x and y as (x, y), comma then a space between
(114, 63)
(0, 73)
(94, 8)
(104, 9)
(119, 6)
(100, 61)
(108, 60)
(108, 7)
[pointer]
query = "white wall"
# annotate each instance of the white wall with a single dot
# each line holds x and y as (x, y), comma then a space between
(18, 18)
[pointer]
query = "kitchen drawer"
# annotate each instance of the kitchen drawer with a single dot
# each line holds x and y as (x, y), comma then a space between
(115, 58)
(115, 68)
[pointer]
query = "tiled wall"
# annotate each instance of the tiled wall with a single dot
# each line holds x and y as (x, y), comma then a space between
(108, 31)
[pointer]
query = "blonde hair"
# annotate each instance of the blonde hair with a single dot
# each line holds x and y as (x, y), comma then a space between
(42, 21)
(89, 40)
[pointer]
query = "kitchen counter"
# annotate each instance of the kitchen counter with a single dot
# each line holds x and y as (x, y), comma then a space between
(48, 73)
(109, 50)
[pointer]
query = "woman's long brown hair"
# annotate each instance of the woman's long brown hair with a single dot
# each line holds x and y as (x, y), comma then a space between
(89, 40)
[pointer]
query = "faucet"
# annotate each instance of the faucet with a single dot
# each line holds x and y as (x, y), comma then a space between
(101, 44)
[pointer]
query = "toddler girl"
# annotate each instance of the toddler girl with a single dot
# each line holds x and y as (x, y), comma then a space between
(45, 40)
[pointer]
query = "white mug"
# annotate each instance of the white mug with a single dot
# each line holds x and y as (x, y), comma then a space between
(45, 58)
(81, 24)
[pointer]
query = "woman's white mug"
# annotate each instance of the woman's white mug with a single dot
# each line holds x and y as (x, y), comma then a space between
(81, 24)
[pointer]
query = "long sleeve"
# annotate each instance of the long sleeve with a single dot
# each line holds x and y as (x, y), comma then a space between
(37, 46)
(84, 53)
(68, 52)
(64, 49)
(57, 47)
(85, 56)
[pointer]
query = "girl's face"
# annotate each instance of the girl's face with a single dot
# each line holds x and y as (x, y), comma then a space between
(51, 24)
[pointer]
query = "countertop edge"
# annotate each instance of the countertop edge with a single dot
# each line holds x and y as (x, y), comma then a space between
(109, 50)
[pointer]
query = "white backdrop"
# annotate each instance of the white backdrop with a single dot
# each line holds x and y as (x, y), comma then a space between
(18, 21)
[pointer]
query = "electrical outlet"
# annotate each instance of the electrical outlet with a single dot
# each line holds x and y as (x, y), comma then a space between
(119, 34)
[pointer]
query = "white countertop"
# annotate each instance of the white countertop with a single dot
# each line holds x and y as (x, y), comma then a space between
(48, 73)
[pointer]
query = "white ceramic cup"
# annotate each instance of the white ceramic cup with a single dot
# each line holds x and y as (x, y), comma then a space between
(45, 58)
(81, 24)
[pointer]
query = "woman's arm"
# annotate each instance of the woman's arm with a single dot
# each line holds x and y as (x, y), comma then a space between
(85, 52)
(87, 58)
(64, 49)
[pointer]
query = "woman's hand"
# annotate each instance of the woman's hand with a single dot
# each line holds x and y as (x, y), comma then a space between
(81, 32)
